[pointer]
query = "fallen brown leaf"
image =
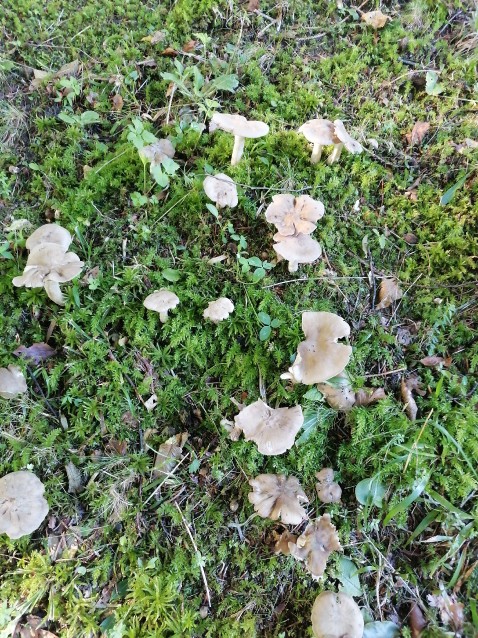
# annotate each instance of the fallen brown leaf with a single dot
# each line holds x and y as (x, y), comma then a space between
(417, 621)
(410, 238)
(169, 453)
(151, 62)
(252, 5)
(407, 387)
(37, 352)
(157, 36)
(419, 130)
(366, 396)
(451, 611)
(39, 76)
(118, 447)
(117, 102)
(389, 293)
(189, 46)
(431, 362)
(30, 629)
(170, 52)
(375, 19)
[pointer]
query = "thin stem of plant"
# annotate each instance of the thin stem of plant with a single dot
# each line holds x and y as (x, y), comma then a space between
(415, 443)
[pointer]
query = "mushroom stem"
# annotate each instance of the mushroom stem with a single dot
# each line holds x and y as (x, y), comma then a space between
(163, 316)
(316, 153)
(52, 289)
(335, 155)
(238, 149)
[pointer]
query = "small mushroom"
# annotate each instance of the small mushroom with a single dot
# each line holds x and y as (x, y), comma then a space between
(218, 310)
(278, 496)
(344, 139)
(293, 215)
(272, 429)
(221, 189)
(12, 382)
(281, 546)
(327, 490)
(336, 616)
(157, 152)
(315, 545)
(161, 301)
(320, 357)
(338, 393)
(22, 505)
(49, 234)
(298, 249)
(241, 128)
(320, 133)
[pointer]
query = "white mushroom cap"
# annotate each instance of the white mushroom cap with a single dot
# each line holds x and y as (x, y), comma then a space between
(238, 125)
(49, 234)
(221, 189)
(12, 382)
(278, 496)
(319, 131)
(218, 310)
(157, 152)
(336, 616)
(161, 301)
(292, 215)
(297, 249)
(347, 140)
(273, 430)
(22, 505)
(320, 357)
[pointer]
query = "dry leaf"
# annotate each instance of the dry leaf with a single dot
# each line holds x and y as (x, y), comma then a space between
(75, 482)
(118, 447)
(92, 98)
(375, 19)
(117, 101)
(410, 238)
(151, 62)
(431, 362)
(157, 36)
(419, 130)
(252, 5)
(281, 545)
(39, 77)
(30, 629)
(451, 611)
(417, 621)
(37, 352)
(169, 453)
(407, 387)
(366, 396)
(171, 88)
(389, 292)
(189, 46)
(170, 52)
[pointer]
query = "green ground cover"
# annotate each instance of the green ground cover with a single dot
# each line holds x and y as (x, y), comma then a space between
(114, 557)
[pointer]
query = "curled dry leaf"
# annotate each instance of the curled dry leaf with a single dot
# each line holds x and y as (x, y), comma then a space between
(389, 292)
(339, 394)
(189, 46)
(169, 453)
(419, 130)
(407, 387)
(37, 352)
(316, 544)
(281, 545)
(75, 481)
(31, 628)
(117, 102)
(433, 361)
(451, 611)
(366, 396)
(277, 496)
(375, 19)
(417, 621)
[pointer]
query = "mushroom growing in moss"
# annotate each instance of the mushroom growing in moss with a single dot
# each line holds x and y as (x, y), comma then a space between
(218, 310)
(277, 496)
(22, 504)
(297, 249)
(157, 152)
(315, 545)
(336, 616)
(49, 234)
(241, 128)
(272, 429)
(327, 490)
(293, 215)
(319, 133)
(343, 139)
(12, 382)
(161, 301)
(221, 189)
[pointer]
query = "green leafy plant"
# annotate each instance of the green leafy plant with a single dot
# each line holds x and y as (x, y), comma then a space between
(268, 325)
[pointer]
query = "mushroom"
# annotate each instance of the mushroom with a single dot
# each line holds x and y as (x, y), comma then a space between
(157, 152)
(278, 496)
(327, 490)
(315, 545)
(339, 394)
(298, 249)
(320, 357)
(47, 266)
(221, 189)
(320, 133)
(336, 616)
(218, 310)
(344, 139)
(49, 234)
(12, 382)
(241, 128)
(161, 301)
(293, 215)
(273, 430)
(281, 546)
(22, 505)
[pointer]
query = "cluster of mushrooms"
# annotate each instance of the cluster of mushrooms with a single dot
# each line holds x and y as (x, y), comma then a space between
(320, 357)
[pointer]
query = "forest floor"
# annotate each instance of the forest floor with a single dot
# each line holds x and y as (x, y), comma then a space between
(125, 552)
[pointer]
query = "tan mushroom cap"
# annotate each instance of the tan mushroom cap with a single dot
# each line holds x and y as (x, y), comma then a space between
(272, 429)
(281, 546)
(298, 249)
(327, 490)
(238, 125)
(336, 616)
(157, 152)
(293, 215)
(12, 382)
(315, 545)
(277, 496)
(49, 234)
(22, 505)
(221, 189)
(347, 140)
(339, 394)
(320, 357)
(318, 131)
(161, 301)
(218, 310)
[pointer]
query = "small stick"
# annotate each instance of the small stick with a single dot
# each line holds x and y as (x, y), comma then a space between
(384, 374)
(203, 574)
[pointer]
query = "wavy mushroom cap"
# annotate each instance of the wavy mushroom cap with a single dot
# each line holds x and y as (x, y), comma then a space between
(336, 615)
(293, 215)
(157, 152)
(161, 301)
(49, 234)
(238, 125)
(218, 310)
(319, 131)
(327, 490)
(221, 189)
(320, 357)
(12, 382)
(347, 140)
(48, 262)
(273, 430)
(22, 505)
(277, 496)
(297, 249)
(315, 545)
